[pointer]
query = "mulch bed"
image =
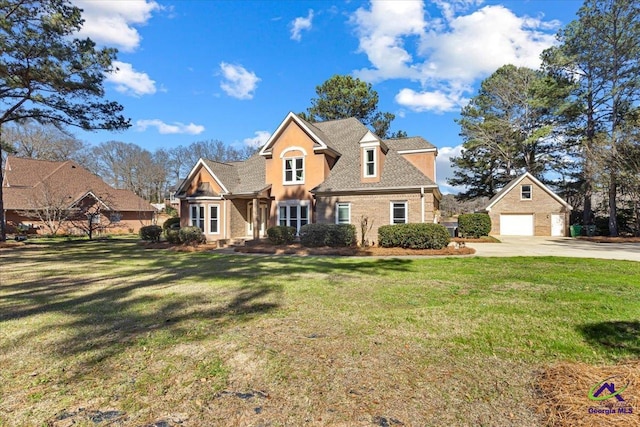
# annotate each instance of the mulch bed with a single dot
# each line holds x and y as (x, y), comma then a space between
(562, 393)
(297, 249)
(179, 248)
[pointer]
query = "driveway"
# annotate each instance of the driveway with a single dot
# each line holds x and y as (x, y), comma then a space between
(557, 246)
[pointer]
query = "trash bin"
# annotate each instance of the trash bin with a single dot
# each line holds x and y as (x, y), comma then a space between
(576, 230)
(591, 230)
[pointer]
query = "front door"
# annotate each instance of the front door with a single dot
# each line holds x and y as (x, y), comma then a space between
(262, 217)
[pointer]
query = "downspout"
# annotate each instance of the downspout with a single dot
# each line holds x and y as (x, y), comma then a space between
(422, 202)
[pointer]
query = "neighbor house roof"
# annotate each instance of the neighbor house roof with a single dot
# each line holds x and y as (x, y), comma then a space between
(514, 182)
(28, 183)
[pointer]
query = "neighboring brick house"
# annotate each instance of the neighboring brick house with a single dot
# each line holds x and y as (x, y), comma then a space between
(328, 172)
(527, 207)
(36, 189)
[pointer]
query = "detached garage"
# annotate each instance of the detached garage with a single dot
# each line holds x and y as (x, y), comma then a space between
(527, 207)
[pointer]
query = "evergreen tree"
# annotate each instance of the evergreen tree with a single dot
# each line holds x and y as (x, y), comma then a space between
(342, 97)
(507, 129)
(49, 76)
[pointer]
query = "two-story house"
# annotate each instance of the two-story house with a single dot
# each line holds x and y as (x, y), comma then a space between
(329, 172)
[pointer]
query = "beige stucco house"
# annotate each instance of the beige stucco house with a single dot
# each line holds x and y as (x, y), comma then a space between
(328, 172)
(527, 207)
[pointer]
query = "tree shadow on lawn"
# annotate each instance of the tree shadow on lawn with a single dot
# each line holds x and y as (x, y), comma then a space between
(618, 336)
(116, 304)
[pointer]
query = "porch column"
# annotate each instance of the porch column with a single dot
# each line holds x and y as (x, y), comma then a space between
(256, 219)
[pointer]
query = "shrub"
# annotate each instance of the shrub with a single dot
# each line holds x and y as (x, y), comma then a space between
(474, 225)
(171, 223)
(281, 234)
(172, 236)
(151, 233)
(413, 236)
(334, 235)
(191, 235)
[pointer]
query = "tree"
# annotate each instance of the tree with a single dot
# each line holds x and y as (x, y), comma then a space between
(507, 130)
(127, 166)
(601, 51)
(342, 97)
(49, 76)
(49, 206)
(628, 165)
(450, 205)
(43, 142)
(92, 213)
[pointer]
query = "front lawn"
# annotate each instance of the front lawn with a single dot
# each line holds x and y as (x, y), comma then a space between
(113, 332)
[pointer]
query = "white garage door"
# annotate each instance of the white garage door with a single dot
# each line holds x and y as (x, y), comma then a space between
(516, 225)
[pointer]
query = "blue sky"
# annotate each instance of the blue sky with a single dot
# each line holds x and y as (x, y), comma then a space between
(232, 70)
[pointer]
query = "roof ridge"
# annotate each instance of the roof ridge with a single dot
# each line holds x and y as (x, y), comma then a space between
(52, 172)
(221, 163)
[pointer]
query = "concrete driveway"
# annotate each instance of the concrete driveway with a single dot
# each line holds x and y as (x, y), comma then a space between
(557, 246)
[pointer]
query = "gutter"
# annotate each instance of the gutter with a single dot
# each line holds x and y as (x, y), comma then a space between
(376, 190)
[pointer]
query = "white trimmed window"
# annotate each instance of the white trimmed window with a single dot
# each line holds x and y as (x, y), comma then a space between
(399, 213)
(293, 170)
(369, 163)
(343, 213)
(525, 192)
(196, 218)
(214, 219)
(293, 216)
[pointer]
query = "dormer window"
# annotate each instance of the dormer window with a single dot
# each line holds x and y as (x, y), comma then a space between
(525, 192)
(369, 162)
(294, 170)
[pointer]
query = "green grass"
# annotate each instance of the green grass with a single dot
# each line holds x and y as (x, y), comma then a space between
(205, 337)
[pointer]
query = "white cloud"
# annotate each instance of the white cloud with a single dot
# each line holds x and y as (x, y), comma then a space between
(111, 22)
(130, 81)
(478, 44)
(173, 128)
(238, 82)
(299, 24)
(437, 101)
(260, 138)
(381, 31)
(445, 54)
(444, 169)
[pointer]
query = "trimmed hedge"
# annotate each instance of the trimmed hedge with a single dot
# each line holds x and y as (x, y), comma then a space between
(474, 225)
(413, 236)
(191, 235)
(333, 235)
(281, 235)
(172, 236)
(151, 233)
(170, 223)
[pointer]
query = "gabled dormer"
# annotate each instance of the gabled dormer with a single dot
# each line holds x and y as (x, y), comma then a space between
(298, 157)
(372, 155)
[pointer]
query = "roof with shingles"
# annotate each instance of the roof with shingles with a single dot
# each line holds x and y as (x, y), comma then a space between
(28, 183)
(397, 172)
(343, 137)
